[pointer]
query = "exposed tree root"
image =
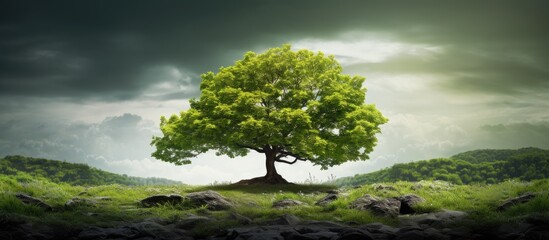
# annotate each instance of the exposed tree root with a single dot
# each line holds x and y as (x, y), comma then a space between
(275, 179)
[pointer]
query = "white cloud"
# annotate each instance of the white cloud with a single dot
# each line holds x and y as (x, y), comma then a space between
(168, 79)
(355, 48)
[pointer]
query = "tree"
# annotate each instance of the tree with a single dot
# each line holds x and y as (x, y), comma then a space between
(289, 105)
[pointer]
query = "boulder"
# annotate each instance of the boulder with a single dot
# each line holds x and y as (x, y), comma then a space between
(286, 219)
(240, 218)
(354, 234)
(211, 199)
(286, 203)
(514, 201)
(192, 221)
(362, 202)
(28, 200)
(156, 200)
(407, 203)
(436, 219)
(381, 207)
(385, 207)
(327, 199)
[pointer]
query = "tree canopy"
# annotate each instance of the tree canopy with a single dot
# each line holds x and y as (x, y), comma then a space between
(290, 105)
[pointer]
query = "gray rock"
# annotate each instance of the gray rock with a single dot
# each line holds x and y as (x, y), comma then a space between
(380, 228)
(437, 219)
(286, 203)
(213, 200)
(322, 235)
(407, 203)
(327, 199)
(380, 187)
(240, 218)
(333, 191)
(412, 235)
(416, 186)
(80, 202)
(362, 202)
(385, 207)
(286, 219)
(382, 207)
(354, 234)
(514, 201)
(158, 231)
(156, 200)
(192, 221)
(28, 200)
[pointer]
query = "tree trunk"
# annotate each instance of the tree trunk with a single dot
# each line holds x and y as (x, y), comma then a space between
(271, 177)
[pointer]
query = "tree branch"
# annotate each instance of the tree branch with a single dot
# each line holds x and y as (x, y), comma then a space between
(251, 147)
(287, 162)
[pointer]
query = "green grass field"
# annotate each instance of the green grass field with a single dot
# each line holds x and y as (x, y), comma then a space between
(255, 202)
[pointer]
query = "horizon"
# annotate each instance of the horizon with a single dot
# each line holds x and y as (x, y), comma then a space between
(88, 82)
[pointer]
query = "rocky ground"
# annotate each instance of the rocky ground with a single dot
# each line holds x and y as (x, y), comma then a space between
(441, 225)
(446, 224)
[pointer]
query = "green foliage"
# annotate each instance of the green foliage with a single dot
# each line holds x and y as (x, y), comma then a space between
(291, 104)
(491, 166)
(26, 169)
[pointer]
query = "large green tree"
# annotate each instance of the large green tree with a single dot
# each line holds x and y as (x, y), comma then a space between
(289, 105)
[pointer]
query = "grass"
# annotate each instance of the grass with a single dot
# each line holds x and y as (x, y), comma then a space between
(255, 202)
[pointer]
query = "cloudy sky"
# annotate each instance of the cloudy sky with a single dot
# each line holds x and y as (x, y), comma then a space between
(87, 81)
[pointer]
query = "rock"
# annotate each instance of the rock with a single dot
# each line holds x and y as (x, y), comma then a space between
(380, 228)
(361, 202)
(240, 218)
(514, 201)
(286, 203)
(412, 235)
(384, 187)
(213, 200)
(103, 198)
(286, 219)
(161, 199)
(416, 186)
(333, 191)
(296, 236)
(158, 231)
(192, 221)
(437, 219)
(385, 207)
(79, 202)
(407, 202)
(354, 234)
(327, 199)
(28, 200)
(382, 207)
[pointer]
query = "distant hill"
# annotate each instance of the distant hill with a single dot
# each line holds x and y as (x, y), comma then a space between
(71, 173)
(479, 166)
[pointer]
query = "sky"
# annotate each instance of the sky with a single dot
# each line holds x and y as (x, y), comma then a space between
(87, 81)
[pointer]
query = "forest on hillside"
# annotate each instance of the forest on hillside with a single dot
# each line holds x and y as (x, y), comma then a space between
(27, 168)
(479, 166)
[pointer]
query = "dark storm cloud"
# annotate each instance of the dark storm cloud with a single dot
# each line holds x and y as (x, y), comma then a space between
(101, 49)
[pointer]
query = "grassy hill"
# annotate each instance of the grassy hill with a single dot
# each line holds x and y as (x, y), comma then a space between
(26, 169)
(479, 166)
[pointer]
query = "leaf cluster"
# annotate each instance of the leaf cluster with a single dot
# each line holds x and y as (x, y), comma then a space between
(294, 104)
